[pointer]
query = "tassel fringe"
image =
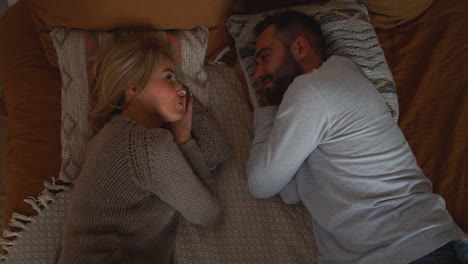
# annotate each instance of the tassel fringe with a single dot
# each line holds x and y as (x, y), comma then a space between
(220, 56)
(21, 221)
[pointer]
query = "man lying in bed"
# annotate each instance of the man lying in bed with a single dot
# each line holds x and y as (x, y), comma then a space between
(326, 138)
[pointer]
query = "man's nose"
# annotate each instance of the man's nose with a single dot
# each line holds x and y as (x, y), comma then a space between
(259, 72)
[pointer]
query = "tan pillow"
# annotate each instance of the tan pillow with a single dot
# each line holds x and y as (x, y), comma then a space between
(31, 91)
(389, 14)
(2, 101)
(242, 7)
(72, 47)
(141, 14)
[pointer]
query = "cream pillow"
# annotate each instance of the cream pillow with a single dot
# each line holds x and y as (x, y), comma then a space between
(72, 47)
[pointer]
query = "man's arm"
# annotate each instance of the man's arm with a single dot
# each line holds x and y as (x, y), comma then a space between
(283, 139)
(290, 194)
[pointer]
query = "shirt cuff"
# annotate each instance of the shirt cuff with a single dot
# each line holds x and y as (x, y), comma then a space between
(265, 112)
(263, 122)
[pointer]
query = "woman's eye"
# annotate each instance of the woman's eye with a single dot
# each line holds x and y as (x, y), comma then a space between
(170, 76)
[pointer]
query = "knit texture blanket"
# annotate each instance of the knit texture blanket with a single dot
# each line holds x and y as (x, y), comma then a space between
(253, 230)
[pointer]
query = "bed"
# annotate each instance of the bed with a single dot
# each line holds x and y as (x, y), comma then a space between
(424, 45)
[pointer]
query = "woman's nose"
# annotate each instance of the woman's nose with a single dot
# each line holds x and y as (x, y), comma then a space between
(181, 90)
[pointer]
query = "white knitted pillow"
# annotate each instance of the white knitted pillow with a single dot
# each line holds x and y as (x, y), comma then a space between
(347, 32)
(72, 47)
(254, 231)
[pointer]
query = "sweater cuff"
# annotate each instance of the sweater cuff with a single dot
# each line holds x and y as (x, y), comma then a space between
(190, 148)
(192, 152)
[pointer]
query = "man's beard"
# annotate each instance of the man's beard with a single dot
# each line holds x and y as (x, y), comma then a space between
(284, 76)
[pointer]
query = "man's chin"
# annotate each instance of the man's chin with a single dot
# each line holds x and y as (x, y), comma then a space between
(273, 97)
(266, 87)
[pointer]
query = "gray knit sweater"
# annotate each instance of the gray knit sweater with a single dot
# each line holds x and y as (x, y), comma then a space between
(132, 187)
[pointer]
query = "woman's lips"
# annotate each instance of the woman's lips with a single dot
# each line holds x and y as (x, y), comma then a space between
(182, 103)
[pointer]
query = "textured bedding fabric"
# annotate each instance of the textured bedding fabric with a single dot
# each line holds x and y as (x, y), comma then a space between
(253, 230)
(428, 58)
(41, 241)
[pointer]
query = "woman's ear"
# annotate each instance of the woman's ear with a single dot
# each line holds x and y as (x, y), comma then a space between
(300, 48)
(130, 92)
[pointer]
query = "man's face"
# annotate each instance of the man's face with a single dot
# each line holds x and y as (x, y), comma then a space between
(276, 68)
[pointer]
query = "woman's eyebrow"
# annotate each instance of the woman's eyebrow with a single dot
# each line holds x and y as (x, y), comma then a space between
(169, 70)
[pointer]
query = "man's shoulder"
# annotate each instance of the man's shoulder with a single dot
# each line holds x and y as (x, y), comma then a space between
(335, 73)
(337, 60)
(336, 65)
(337, 81)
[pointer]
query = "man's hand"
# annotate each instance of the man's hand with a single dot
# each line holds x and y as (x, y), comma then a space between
(181, 129)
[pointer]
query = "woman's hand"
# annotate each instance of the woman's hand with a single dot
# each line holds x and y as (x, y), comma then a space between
(181, 129)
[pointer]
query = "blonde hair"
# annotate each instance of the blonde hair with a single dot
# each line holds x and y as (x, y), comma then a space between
(119, 66)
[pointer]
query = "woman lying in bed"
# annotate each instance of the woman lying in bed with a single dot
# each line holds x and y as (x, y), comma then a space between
(142, 167)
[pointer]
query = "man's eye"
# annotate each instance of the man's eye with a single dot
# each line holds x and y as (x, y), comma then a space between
(264, 57)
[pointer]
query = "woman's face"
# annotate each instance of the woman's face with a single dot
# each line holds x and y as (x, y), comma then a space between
(163, 96)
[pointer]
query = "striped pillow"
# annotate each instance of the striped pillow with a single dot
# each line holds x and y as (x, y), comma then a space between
(347, 32)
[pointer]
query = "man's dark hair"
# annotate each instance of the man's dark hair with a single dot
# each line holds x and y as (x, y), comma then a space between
(291, 24)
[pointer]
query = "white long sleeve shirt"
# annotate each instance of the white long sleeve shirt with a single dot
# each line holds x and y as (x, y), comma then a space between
(333, 144)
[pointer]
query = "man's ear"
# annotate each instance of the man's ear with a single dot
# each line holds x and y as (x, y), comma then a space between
(300, 48)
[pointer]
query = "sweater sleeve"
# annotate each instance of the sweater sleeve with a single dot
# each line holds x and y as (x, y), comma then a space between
(193, 154)
(209, 136)
(161, 168)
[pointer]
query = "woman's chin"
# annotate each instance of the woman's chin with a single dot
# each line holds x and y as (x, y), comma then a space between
(175, 118)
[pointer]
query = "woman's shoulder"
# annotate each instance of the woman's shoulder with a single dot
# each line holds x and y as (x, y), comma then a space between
(127, 133)
(120, 125)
